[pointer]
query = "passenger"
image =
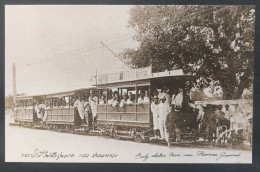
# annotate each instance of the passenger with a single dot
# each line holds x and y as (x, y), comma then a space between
(123, 101)
(93, 100)
(38, 111)
(171, 127)
(146, 98)
(155, 111)
(164, 109)
(130, 100)
(165, 94)
(45, 115)
(140, 100)
(179, 99)
(29, 107)
(102, 100)
(110, 101)
(79, 105)
(88, 114)
(116, 101)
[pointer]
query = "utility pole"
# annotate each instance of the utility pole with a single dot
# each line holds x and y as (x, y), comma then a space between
(14, 83)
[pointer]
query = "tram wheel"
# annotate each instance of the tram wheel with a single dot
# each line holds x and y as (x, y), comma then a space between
(72, 130)
(138, 139)
(116, 136)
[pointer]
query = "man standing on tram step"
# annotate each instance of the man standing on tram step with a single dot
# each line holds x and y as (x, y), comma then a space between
(79, 104)
(93, 100)
(88, 114)
(155, 111)
(170, 127)
(164, 109)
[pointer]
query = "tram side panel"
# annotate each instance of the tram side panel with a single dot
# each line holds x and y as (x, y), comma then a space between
(25, 116)
(127, 118)
(62, 118)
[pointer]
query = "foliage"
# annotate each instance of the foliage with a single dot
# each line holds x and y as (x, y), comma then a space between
(213, 43)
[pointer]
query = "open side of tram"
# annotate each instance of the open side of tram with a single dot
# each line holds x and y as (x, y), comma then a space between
(61, 113)
(135, 120)
(25, 113)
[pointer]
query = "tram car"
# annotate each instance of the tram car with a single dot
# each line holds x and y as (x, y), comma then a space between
(135, 121)
(61, 115)
(25, 113)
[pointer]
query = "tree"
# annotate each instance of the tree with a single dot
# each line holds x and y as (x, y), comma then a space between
(215, 44)
(9, 100)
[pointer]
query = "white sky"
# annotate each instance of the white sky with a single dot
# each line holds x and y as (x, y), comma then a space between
(70, 37)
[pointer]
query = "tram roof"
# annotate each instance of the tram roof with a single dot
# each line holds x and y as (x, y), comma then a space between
(68, 93)
(139, 77)
(28, 97)
(57, 94)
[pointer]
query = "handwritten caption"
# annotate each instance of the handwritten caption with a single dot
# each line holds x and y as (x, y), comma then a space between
(61, 155)
(44, 154)
(217, 156)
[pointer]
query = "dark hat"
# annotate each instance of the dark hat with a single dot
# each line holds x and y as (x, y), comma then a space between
(163, 98)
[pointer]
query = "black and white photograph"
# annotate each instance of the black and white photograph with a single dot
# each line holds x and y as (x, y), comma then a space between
(129, 83)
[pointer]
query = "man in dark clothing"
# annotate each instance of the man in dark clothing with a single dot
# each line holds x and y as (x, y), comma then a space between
(210, 120)
(171, 127)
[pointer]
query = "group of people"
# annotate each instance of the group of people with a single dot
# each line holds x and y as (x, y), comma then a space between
(221, 121)
(163, 108)
(87, 108)
(126, 99)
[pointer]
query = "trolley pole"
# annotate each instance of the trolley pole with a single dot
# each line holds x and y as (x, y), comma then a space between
(14, 83)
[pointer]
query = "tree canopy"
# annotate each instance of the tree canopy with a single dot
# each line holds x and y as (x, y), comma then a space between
(213, 43)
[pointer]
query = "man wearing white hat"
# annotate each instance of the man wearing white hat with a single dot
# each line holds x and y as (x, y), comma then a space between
(164, 109)
(155, 111)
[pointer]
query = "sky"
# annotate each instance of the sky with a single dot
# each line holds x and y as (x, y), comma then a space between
(57, 48)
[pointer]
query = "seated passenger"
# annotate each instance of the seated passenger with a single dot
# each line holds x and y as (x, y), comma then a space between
(102, 100)
(110, 101)
(116, 101)
(146, 98)
(140, 100)
(123, 101)
(130, 100)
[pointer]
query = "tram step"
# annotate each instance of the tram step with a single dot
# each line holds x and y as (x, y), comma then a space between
(81, 130)
(124, 136)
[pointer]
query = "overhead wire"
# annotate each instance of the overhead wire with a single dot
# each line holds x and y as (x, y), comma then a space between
(188, 18)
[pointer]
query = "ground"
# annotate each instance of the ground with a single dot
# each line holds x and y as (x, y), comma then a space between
(34, 145)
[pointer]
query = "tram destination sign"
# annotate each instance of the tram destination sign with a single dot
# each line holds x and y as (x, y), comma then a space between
(127, 75)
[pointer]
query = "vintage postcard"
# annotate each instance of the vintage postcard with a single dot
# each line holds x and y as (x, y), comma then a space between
(129, 84)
